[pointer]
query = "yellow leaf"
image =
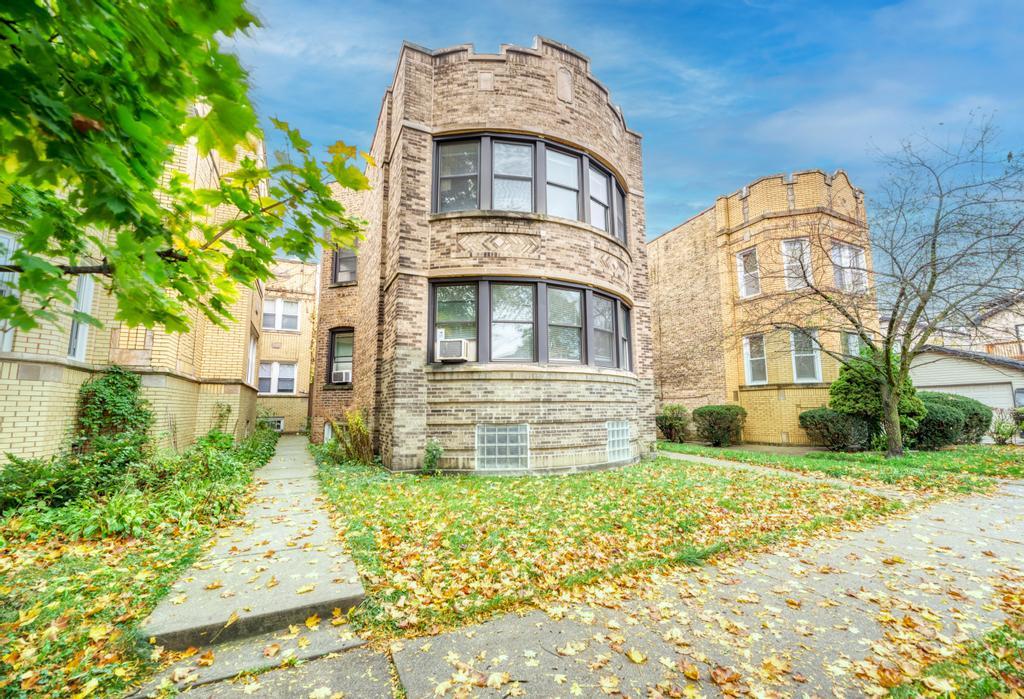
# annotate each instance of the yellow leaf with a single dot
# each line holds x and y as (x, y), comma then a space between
(312, 622)
(231, 619)
(636, 656)
(215, 585)
(99, 631)
(939, 684)
(305, 588)
(690, 670)
(87, 688)
(206, 659)
(271, 650)
(272, 582)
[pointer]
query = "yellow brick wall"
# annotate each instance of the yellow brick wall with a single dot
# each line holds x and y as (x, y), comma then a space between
(699, 318)
(294, 410)
(185, 375)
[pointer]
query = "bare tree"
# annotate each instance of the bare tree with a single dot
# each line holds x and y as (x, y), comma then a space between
(947, 238)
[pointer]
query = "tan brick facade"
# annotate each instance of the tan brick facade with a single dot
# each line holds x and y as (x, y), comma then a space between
(546, 92)
(293, 282)
(700, 319)
(190, 378)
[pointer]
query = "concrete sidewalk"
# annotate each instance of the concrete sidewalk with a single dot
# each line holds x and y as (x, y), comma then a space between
(260, 580)
(813, 620)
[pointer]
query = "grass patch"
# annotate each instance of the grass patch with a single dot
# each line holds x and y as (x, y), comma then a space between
(439, 551)
(989, 667)
(968, 468)
(69, 602)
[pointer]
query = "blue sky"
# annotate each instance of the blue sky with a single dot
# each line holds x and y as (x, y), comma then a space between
(723, 92)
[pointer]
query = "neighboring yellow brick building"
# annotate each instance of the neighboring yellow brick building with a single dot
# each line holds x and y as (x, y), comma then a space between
(286, 345)
(190, 378)
(733, 319)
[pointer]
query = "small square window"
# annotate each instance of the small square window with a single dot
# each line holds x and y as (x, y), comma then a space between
(502, 447)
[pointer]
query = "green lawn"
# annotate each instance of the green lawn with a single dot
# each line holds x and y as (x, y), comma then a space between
(961, 469)
(437, 551)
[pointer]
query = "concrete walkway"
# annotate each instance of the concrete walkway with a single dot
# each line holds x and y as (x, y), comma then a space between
(831, 618)
(813, 477)
(260, 581)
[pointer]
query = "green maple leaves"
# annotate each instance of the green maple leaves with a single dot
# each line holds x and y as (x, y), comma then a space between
(100, 96)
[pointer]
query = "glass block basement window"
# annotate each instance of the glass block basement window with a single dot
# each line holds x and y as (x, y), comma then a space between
(501, 447)
(618, 440)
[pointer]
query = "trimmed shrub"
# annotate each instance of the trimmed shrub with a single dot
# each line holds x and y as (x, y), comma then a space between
(857, 391)
(837, 431)
(977, 415)
(719, 424)
(941, 426)
(673, 422)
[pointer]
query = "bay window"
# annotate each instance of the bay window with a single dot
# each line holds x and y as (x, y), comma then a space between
(512, 321)
(849, 267)
(565, 325)
(513, 176)
(458, 176)
(600, 201)
(796, 263)
(603, 328)
(527, 321)
(506, 172)
(563, 184)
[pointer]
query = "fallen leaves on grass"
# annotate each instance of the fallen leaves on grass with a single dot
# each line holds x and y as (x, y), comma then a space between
(435, 552)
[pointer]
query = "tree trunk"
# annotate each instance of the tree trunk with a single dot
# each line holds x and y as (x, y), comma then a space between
(891, 422)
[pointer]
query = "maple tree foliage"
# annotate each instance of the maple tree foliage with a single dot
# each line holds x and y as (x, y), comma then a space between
(96, 97)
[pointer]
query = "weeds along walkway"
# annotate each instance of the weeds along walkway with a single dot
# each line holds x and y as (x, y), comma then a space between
(259, 582)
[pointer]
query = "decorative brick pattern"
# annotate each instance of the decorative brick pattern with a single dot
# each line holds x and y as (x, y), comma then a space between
(547, 91)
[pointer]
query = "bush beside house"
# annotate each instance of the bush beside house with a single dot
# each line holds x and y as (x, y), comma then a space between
(837, 431)
(719, 424)
(673, 422)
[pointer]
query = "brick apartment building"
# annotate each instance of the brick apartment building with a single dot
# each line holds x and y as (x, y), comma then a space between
(190, 378)
(498, 303)
(286, 345)
(732, 319)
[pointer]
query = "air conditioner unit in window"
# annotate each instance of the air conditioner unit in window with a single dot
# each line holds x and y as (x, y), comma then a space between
(450, 351)
(341, 376)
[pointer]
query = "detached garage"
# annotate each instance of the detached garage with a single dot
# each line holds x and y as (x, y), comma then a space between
(997, 382)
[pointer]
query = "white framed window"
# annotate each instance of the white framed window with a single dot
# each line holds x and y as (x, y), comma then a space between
(502, 447)
(274, 423)
(849, 267)
(277, 377)
(8, 287)
(619, 447)
(796, 263)
(250, 369)
(79, 329)
(755, 360)
(328, 431)
(280, 314)
(806, 356)
(852, 344)
(749, 273)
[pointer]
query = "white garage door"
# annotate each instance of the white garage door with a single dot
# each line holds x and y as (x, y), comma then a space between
(994, 395)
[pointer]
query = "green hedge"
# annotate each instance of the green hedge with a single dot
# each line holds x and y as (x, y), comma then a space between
(941, 426)
(977, 415)
(719, 424)
(673, 422)
(837, 431)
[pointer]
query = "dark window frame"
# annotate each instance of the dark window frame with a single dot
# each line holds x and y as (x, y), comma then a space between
(491, 322)
(341, 330)
(582, 326)
(540, 332)
(335, 260)
(485, 180)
